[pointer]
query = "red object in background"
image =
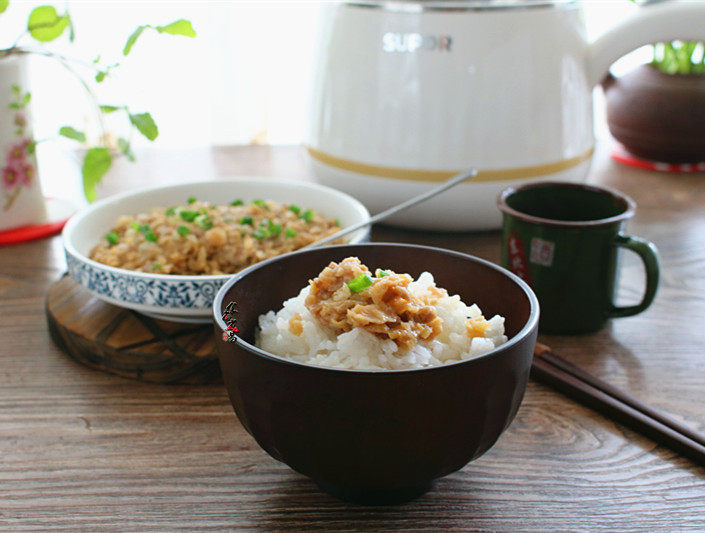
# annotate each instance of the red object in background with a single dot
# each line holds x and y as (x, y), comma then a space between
(58, 213)
(621, 155)
(517, 257)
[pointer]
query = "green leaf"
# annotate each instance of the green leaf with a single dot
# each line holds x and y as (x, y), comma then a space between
(100, 76)
(145, 124)
(109, 108)
(3, 5)
(71, 133)
(45, 24)
(126, 149)
(132, 39)
(96, 163)
(178, 27)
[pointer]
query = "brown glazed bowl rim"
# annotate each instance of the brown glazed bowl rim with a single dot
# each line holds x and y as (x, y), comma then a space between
(629, 204)
(528, 327)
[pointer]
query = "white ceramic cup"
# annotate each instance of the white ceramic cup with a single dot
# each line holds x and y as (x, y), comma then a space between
(21, 199)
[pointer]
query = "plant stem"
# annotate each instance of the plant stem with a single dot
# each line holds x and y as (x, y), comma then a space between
(65, 62)
(49, 53)
(19, 38)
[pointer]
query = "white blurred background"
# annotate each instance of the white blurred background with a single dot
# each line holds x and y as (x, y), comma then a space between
(243, 79)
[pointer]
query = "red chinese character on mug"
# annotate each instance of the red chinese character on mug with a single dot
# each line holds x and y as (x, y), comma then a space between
(517, 258)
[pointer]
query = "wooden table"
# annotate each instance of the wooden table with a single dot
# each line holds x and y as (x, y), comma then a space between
(80, 449)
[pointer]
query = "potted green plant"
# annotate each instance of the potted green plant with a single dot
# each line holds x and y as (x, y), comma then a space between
(657, 110)
(21, 202)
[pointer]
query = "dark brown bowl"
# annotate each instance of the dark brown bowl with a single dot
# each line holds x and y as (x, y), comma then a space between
(377, 436)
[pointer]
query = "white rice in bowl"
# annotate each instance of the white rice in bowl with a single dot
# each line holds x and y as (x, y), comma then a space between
(359, 349)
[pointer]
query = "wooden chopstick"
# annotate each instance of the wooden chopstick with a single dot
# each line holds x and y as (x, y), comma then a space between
(551, 357)
(592, 392)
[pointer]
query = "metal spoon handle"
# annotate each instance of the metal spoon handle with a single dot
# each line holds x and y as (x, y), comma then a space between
(449, 183)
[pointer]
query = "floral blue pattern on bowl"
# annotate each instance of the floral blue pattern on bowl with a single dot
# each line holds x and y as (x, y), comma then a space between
(126, 287)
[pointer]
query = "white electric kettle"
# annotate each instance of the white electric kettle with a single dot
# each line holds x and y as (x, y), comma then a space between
(409, 92)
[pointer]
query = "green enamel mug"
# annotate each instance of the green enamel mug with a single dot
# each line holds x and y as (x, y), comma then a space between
(563, 239)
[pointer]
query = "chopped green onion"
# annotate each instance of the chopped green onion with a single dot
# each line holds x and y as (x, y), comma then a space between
(274, 229)
(145, 230)
(237, 202)
(360, 283)
(203, 211)
(290, 233)
(381, 273)
(191, 200)
(261, 233)
(295, 209)
(188, 216)
(183, 230)
(246, 221)
(112, 237)
(203, 222)
(308, 215)
(170, 211)
(337, 223)
(260, 203)
(150, 236)
(156, 266)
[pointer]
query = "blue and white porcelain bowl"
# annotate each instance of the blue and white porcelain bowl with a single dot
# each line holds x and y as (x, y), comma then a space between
(184, 298)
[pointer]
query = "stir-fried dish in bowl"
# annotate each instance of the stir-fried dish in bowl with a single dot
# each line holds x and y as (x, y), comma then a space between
(201, 238)
(166, 250)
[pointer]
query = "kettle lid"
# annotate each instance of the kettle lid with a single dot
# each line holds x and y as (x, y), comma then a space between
(454, 5)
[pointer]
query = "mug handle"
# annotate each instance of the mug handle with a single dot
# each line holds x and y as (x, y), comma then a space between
(648, 254)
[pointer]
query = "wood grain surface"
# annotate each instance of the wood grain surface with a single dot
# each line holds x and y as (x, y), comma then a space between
(84, 450)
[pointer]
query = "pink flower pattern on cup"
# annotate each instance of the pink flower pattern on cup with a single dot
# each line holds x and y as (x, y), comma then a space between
(19, 170)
